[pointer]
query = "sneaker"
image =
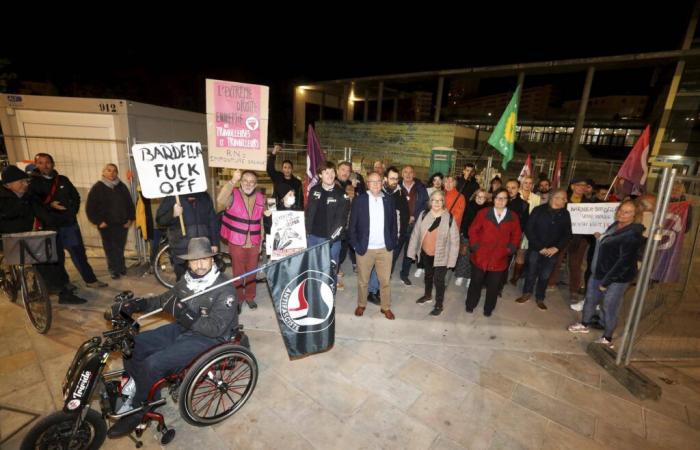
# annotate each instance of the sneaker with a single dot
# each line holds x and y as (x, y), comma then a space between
(578, 306)
(96, 284)
(468, 282)
(459, 281)
(129, 388)
(126, 406)
(424, 300)
(436, 311)
(523, 298)
(542, 306)
(354, 268)
(419, 273)
(340, 286)
(69, 298)
(406, 281)
(252, 304)
(604, 341)
(578, 328)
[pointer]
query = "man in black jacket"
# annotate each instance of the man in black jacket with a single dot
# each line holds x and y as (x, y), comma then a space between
(200, 324)
(327, 210)
(61, 201)
(18, 210)
(467, 184)
(548, 232)
(284, 181)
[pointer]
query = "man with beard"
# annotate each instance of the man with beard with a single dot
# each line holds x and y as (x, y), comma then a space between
(241, 228)
(391, 188)
(60, 198)
(200, 324)
(285, 181)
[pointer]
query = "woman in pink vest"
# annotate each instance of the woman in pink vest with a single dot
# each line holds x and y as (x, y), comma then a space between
(241, 228)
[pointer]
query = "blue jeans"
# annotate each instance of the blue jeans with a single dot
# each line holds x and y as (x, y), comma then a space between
(611, 301)
(312, 240)
(161, 352)
(539, 268)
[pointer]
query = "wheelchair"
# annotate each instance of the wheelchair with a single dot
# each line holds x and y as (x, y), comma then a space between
(211, 388)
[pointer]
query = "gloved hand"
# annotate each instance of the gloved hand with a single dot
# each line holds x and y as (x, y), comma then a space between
(128, 306)
(179, 310)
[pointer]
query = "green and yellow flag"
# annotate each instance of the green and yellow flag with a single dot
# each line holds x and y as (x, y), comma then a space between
(503, 136)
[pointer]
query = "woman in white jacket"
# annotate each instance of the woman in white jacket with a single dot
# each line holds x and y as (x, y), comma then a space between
(435, 243)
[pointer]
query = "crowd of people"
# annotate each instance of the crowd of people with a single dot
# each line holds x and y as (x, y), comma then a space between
(486, 234)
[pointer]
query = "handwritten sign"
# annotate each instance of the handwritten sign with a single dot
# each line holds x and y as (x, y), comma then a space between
(170, 169)
(288, 233)
(237, 119)
(590, 218)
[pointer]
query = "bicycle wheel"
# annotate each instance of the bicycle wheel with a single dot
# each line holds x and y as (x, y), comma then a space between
(8, 284)
(163, 267)
(36, 299)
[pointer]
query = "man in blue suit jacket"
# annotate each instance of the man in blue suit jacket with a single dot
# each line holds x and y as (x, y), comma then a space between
(373, 235)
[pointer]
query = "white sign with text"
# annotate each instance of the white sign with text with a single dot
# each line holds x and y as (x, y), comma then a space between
(590, 218)
(174, 168)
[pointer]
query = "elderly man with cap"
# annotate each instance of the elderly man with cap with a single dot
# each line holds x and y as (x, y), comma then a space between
(18, 210)
(200, 323)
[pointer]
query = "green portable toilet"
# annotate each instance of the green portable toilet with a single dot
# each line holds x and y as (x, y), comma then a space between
(442, 159)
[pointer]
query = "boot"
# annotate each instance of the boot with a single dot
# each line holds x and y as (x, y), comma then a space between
(517, 272)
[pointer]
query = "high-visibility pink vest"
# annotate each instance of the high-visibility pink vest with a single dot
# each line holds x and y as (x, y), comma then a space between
(237, 224)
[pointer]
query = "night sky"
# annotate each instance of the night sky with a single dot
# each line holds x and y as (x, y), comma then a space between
(157, 63)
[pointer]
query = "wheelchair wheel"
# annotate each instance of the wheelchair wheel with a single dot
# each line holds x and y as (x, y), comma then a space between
(36, 299)
(163, 267)
(217, 385)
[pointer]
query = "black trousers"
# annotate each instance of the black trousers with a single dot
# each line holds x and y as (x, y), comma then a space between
(433, 275)
(492, 280)
(114, 241)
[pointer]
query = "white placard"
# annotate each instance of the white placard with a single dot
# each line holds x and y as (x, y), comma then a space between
(590, 218)
(288, 233)
(174, 168)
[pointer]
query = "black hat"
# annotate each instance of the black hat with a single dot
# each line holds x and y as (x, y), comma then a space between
(578, 180)
(12, 173)
(198, 248)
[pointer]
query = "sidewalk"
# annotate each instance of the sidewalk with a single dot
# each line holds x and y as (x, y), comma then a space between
(515, 380)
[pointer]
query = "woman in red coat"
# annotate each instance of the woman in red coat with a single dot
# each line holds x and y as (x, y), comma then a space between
(493, 237)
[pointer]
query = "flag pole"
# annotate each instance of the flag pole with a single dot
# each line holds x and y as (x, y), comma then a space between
(335, 235)
(182, 220)
(611, 187)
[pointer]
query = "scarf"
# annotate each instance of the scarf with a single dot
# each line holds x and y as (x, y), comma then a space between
(198, 284)
(109, 183)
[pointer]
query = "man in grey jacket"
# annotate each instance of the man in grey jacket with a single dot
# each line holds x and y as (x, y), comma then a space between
(200, 324)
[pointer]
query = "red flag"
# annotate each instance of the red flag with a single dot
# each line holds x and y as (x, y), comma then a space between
(314, 159)
(635, 168)
(526, 171)
(556, 175)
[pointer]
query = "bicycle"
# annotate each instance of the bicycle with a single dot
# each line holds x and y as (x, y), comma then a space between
(221, 379)
(23, 278)
(164, 269)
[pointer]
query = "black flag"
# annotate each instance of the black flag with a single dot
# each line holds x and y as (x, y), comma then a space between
(302, 295)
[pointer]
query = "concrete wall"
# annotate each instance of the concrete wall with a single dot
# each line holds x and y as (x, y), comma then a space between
(395, 142)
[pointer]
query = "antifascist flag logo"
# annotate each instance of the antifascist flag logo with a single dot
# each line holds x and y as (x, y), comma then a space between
(307, 302)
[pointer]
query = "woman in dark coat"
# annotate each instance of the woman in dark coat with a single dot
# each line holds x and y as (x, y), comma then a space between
(110, 207)
(493, 237)
(614, 267)
(478, 201)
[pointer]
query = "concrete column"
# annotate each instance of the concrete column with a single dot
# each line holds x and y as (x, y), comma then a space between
(380, 99)
(438, 102)
(299, 116)
(578, 129)
(366, 113)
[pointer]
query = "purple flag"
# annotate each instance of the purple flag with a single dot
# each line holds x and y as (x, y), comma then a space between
(670, 248)
(314, 159)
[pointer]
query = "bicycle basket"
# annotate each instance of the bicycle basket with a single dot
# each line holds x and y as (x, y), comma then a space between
(31, 247)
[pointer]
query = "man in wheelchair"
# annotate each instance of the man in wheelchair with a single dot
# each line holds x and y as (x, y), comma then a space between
(200, 324)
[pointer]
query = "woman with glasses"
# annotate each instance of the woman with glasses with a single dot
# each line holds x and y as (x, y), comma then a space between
(435, 243)
(493, 237)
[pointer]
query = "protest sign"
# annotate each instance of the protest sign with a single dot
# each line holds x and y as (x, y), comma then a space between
(237, 119)
(174, 168)
(288, 233)
(590, 218)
